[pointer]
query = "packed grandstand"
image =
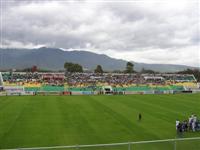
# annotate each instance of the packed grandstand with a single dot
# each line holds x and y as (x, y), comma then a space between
(94, 83)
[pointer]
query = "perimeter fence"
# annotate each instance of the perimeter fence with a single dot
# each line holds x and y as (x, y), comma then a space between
(166, 144)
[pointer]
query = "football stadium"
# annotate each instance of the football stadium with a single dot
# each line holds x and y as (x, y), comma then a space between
(99, 75)
(95, 111)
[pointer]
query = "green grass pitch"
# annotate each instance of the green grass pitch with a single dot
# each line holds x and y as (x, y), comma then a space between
(35, 121)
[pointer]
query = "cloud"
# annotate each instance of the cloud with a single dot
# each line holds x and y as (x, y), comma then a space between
(131, 27)
(168, 56)
(17, 44)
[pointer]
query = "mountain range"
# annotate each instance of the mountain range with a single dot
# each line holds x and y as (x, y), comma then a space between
(54, 59)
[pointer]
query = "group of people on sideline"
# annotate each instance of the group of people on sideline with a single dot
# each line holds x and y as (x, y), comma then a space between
(192, 124)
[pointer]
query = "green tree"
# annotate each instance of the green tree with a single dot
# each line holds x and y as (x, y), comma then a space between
(98, 69)
(129, 67)
(77, 68)
(71, 67)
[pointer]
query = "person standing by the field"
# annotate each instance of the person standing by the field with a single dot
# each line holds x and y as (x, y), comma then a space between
(140, 117)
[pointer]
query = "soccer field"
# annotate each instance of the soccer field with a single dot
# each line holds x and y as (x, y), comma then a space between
(36, 121)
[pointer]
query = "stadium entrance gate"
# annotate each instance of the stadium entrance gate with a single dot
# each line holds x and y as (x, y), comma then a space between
(107, 90)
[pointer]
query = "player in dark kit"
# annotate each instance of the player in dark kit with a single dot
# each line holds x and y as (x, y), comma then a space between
(140, 117)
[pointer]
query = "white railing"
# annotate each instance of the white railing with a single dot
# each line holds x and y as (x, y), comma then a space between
(130, 145)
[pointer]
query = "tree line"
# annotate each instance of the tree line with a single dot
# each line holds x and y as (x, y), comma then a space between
(73, 67)
(129, 68)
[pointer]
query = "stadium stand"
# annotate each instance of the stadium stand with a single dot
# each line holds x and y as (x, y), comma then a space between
(91, 82)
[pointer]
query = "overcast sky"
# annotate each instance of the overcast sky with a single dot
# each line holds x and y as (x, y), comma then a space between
(142, 31)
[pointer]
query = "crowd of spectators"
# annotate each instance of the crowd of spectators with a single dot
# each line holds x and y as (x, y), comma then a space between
(108, 79)
(22, 78)
(16, 77)
(88, 79)
(120, 79)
